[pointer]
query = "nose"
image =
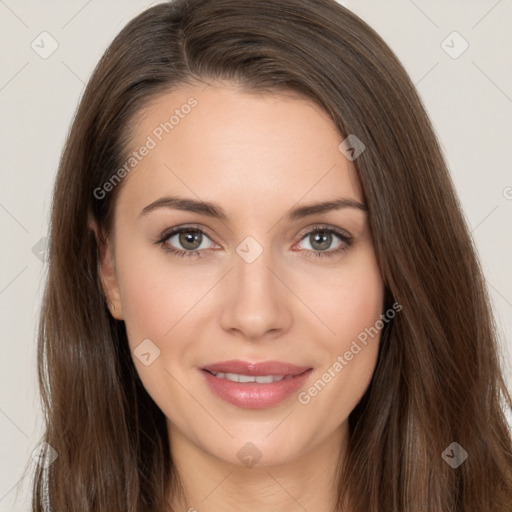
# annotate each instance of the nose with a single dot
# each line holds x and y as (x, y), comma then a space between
(257, 303)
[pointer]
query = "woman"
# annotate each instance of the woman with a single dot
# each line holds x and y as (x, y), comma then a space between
(262, 294)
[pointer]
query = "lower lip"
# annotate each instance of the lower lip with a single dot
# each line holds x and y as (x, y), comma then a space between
(252, 395)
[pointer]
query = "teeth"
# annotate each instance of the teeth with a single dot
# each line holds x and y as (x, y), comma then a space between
(260, 379)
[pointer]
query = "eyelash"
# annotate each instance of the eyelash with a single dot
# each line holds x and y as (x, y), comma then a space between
(346, 240)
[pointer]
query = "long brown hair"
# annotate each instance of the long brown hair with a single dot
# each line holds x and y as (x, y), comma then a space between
(438, 378)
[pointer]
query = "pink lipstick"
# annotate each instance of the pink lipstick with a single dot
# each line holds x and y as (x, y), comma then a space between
(255, 385)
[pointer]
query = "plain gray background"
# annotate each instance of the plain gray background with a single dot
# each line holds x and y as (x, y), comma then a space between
(467, 94)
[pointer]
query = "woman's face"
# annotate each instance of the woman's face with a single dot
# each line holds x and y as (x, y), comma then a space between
(248, 291)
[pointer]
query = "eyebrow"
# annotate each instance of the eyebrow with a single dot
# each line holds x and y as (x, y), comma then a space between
(216, 212)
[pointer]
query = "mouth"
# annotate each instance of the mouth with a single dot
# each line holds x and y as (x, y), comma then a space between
(260, 379)
(255, 385)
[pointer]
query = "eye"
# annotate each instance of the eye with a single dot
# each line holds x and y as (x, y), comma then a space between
(185, 241)
(190, 241)
(321, 238)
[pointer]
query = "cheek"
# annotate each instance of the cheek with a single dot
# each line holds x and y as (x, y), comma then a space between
(353, 310)
(153, 294)
(349, 300)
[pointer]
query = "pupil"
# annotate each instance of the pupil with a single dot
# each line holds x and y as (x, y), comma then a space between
(323, 238)
(190, 237)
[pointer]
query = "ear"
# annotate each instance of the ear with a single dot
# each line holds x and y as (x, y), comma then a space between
(107, 271)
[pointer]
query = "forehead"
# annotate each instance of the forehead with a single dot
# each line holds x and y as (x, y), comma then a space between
(219, 143)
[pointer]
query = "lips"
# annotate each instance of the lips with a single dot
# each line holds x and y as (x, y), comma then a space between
(254, 385)
(275, 368)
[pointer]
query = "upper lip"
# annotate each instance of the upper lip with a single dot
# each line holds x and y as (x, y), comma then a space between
(276, 368)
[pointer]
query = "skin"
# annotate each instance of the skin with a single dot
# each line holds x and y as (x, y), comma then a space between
(256, 156)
